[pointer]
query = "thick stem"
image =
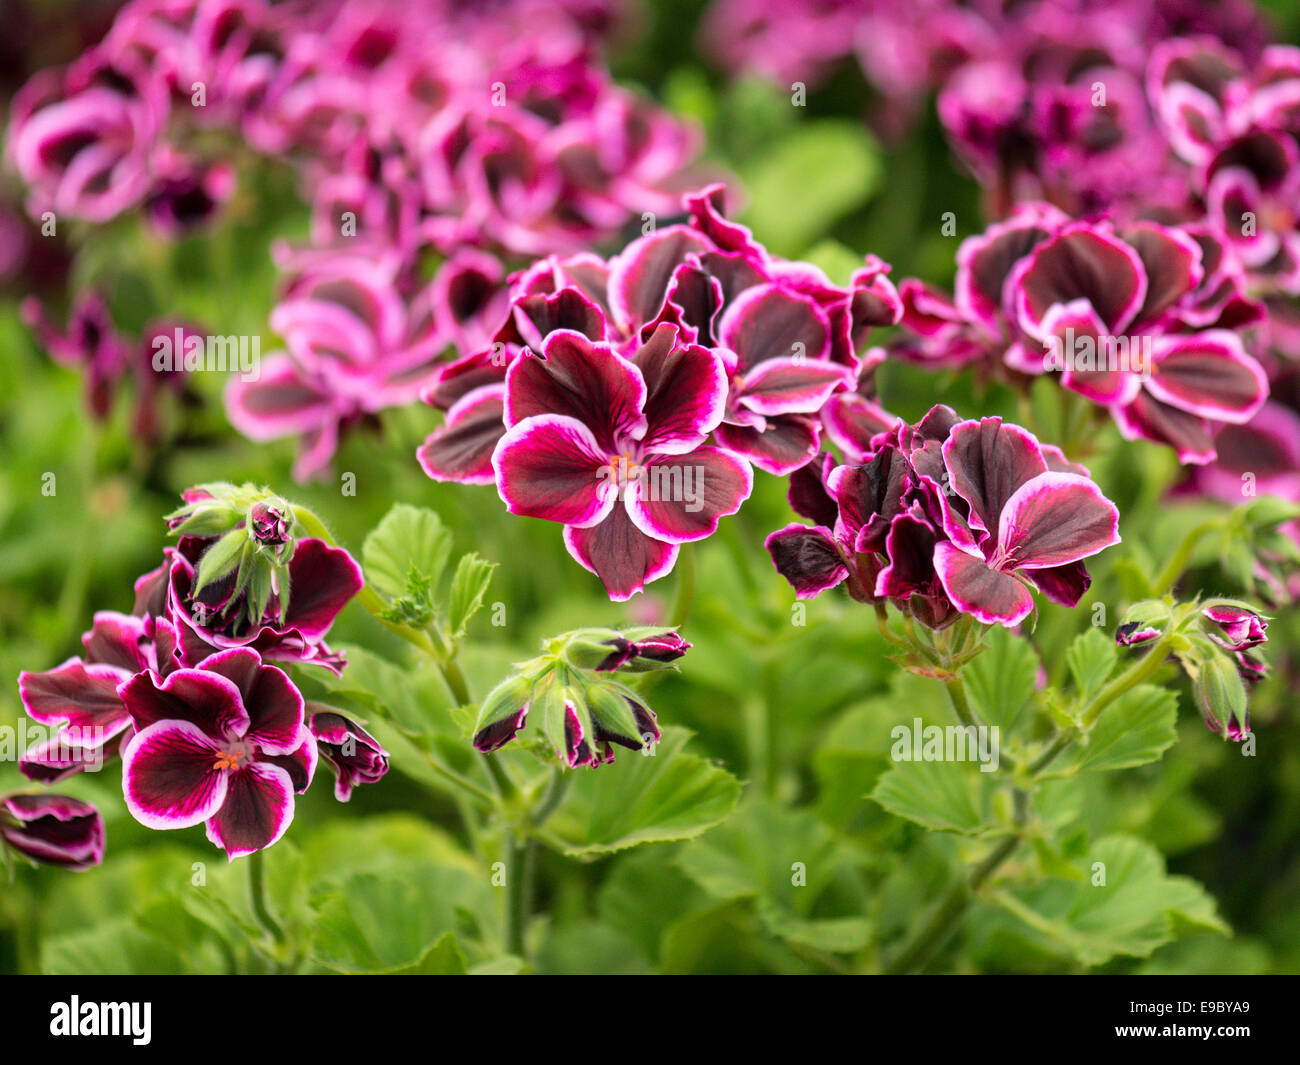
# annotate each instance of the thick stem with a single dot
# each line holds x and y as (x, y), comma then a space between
(960, 704)
(257, 895)
(685, 586)
(556, 788)
(1168, 576)
(516, 859)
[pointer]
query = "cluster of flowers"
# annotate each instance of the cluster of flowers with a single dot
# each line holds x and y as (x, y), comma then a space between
(1145, 320)
(182, 689)
(609, 376)
(1042, 99)
(944, 518)
(423, 129)
(571, 692)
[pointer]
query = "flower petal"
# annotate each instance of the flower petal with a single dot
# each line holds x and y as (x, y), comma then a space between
(1208, 374)
(1081, 262)
(461, 450)
(552, 467)
(987, 462)
(686, 392)
(975, 588)
(621, 555)
(679, 499)
(257, 810)
(206, 700)
(170, 777)
(1055, 519)
(806, 556)
(322, 581)
(582, 380)
(792, 385)
(769, 322)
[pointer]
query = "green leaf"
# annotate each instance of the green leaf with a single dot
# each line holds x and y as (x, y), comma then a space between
(1135, 729)
(468, 586)
(407, 537)
(1091, 658)
(802, 879)
(1125, 904)
(410, 919)
(416, 700)
(945, 796)
(805, 181)
(220, 558)
(1000, 681)
(645, 798)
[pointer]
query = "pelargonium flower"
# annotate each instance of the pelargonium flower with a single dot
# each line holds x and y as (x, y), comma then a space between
(787, 337)
(355, 756)
(53, 830)
(613, 449)
(1144, 321)
(225, 745)
(1237, 123)
(81, 141)
(947, 517)
(353, 347)
(1024, 523)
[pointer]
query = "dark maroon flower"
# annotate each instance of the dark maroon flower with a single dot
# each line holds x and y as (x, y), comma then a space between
(1233, 627)
(225, 745)
(946, 517)
(53, 830)
(270, 524)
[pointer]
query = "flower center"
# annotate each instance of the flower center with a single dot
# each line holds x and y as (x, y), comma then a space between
(230, 758)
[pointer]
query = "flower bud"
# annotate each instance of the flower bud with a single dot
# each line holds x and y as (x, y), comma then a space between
(355, 756)
(1142, 623)
(1232, 626)
(502, 713)
(53, 830)
(269, 524)
(1221, 696)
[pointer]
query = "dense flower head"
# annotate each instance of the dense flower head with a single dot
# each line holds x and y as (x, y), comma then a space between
(52, 830)
(1144, 320)
(789, 339)
(1236, 123)
(183, 690)
(947, 517)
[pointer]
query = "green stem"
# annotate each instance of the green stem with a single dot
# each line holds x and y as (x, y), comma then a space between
(556, 788)
(1138, 673)
(516, 859)
(960, 704)
(451, 673)
(685, 586)
(506, 790)
(1168, 576)
(257, 895)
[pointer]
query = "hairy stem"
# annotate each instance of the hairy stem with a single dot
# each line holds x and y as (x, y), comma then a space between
(1168, 576)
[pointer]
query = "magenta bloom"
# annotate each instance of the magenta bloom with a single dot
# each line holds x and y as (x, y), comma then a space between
(947, 517)
(225, 745)
(355, 756)
(662, 647)
(82, 141)
(588, 426)
(1234, 628)
(321, 581)
(1024, 523)
(1143, 321)
(353, 347)
(53, 830)
(787, 337)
